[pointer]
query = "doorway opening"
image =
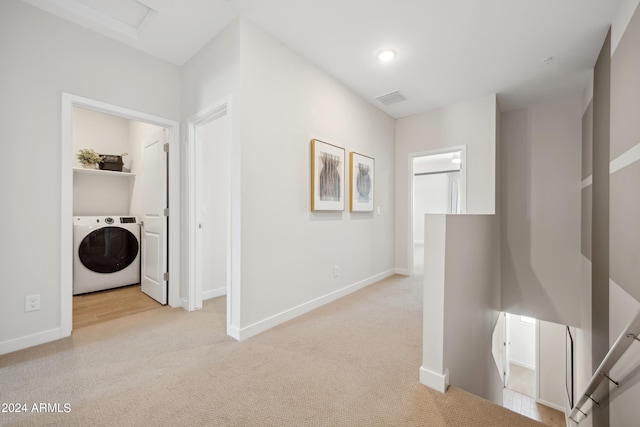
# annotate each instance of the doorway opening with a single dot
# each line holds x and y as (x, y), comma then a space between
(516, 353)
(528, 357)
(438, 186)
(116, 194)
(119, 225)
(213, 171)
(520, 354)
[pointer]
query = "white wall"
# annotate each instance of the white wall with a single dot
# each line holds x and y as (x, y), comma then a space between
(109, 134)
(461, 305)
(213, 74)
(101, 195)
(471, 123)
(551, 365)
(289, 252)
(431, 195)
(278, 103)
(522, 337)
(540, 205)
(43, 56)
(434, 372)
(430, 192)
(621, 19)
(472, 303)
(582, 340)
(624, 400)
(624, 293)
(211, 78)
(105, 134)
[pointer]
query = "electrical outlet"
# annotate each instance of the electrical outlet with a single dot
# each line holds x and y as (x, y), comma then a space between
(32, 302)
(336, 270)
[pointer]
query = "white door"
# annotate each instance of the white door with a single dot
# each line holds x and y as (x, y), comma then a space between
(154, 228)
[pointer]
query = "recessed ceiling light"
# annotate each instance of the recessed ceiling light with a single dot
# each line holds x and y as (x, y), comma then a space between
(386, 55)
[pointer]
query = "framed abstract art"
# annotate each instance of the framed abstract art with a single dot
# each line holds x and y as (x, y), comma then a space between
(361, 183)
(327, 176)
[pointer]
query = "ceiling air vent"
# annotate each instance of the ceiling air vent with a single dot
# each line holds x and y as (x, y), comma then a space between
(391, 98)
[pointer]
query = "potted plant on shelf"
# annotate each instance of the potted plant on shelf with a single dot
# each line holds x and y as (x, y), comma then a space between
(89, 158)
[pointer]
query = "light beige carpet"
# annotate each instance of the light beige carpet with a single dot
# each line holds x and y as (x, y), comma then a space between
(353, 362)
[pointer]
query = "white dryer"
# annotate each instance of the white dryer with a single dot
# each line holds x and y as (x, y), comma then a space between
(106, 252)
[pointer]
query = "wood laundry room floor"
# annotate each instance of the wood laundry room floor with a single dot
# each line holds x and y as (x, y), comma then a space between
(98, 307)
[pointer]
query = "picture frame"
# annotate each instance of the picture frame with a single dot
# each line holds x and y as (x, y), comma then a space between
(361, 182)
(327, 176)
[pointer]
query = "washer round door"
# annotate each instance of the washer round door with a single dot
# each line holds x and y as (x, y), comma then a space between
(108, 249)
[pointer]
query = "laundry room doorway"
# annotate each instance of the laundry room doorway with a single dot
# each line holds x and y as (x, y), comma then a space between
(142, 187)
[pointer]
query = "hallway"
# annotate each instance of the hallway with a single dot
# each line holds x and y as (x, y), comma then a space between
(351, 362)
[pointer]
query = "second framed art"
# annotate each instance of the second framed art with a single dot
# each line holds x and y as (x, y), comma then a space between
(361, 183)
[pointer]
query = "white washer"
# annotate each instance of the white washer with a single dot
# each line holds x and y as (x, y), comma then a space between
(106, 252)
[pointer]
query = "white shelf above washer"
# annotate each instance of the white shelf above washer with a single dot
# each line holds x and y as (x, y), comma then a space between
(103, 172)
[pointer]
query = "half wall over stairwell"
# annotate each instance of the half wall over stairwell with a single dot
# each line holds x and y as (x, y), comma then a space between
(461, 303)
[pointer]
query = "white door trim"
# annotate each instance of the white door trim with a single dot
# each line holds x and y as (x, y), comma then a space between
(66, 200)
(232, 205)
(463, 191)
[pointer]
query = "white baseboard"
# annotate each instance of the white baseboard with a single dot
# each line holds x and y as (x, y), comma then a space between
(551, 405)
(402, 271)
(30, 340)
(434, 380)
(523, 364)
(277, 319)
(233, 332)
(214, 293)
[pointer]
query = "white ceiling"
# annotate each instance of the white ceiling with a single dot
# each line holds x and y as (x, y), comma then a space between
(448, 50)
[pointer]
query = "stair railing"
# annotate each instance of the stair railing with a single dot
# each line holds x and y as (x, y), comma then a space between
(629, 335)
